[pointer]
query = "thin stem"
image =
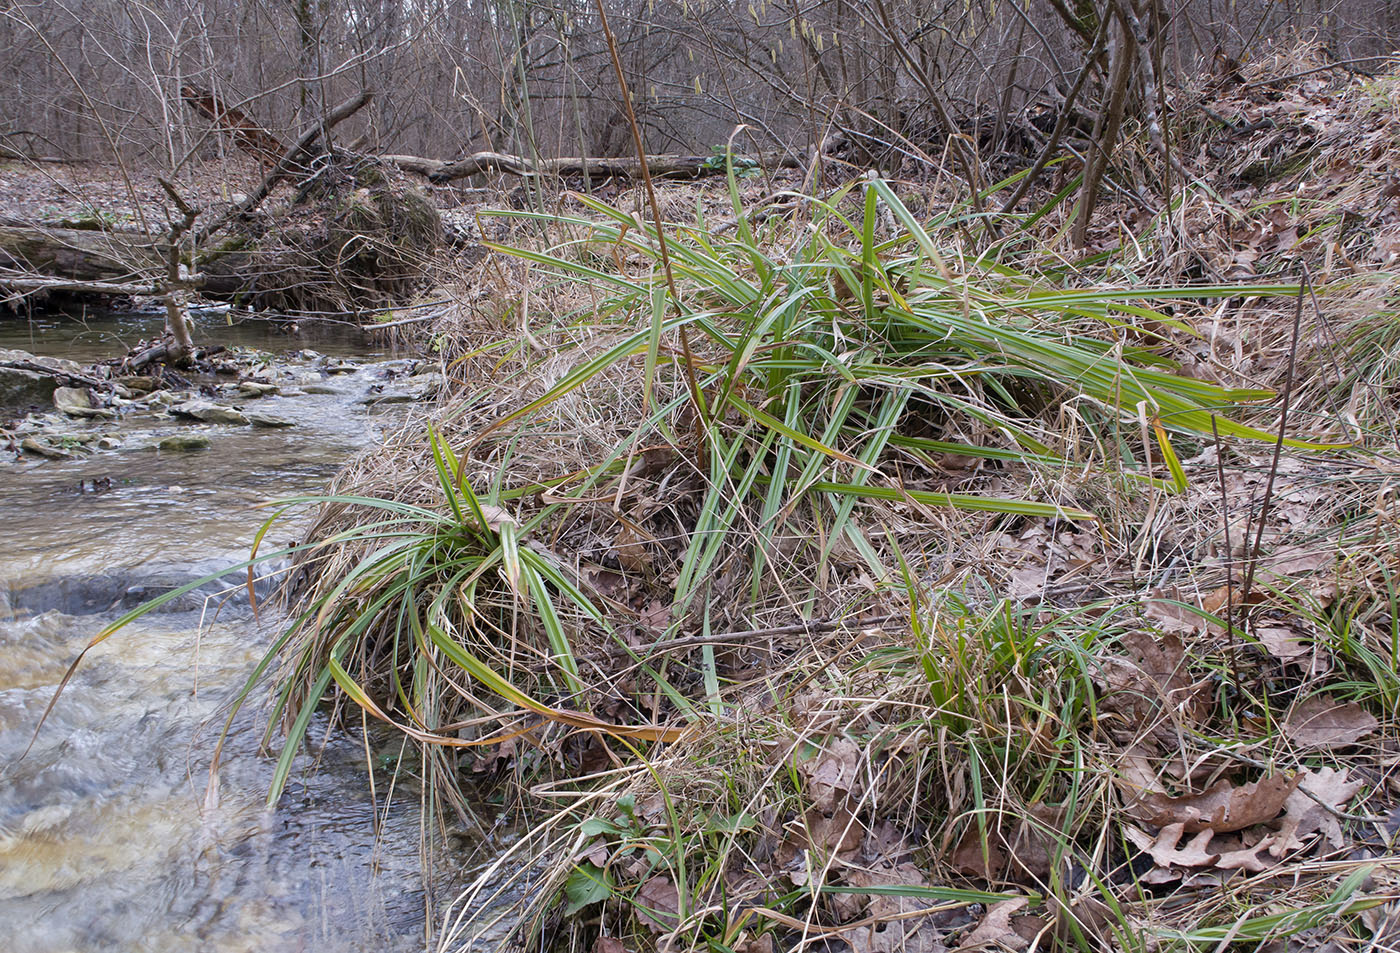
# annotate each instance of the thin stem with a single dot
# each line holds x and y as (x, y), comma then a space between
(1278, 449)
(1229, 562)
(696, 397)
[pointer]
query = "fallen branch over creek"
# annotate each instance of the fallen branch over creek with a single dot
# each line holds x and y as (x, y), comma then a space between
(21, 286)
(663, 166)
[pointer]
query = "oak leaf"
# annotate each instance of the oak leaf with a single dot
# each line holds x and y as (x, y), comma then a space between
(1222, 807)
(1304, 816)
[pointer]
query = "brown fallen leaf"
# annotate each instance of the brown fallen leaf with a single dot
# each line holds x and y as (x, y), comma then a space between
(1321, 721)
(1227, 854)
(608, 944)
(1285, 567)
(1163, 848)
(1304, 816)
(1286, 643)
(1221, 808)
(658, 903)
(832, 773)
(1021, 853)
(1162, 875)
(656, 616)
(972, 858)
(630, 546)
(840, 833)
(1150, 687)
(1241, 856)
(1169, 609)
(1086, 917)
(747, 943)
(885, 906)
(995, 930)
(896, 936)
(1280, 566)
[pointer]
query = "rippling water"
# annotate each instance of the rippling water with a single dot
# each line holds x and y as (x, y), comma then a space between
(108, 838)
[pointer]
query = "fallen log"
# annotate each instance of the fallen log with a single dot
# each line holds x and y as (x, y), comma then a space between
(77, 255)
(71, 378)
(669, 166)
(25, 285)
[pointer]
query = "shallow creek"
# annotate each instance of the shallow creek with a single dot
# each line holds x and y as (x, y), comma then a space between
(106, 839)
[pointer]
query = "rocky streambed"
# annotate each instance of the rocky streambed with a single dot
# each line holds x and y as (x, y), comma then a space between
(115, 487)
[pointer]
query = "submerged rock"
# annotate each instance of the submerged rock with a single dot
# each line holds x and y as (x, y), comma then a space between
(209, 412)
(185, 441)
(268, 420)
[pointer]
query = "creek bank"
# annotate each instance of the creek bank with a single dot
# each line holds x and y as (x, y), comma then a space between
(354, 235)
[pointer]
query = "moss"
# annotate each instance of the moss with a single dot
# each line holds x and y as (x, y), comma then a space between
(229, 246)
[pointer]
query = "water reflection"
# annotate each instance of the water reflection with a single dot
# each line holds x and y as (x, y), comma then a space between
(85, 334)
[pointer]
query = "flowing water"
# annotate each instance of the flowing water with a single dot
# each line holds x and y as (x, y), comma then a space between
(108, 838)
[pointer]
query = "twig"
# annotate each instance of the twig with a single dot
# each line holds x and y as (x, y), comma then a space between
(1338, 64)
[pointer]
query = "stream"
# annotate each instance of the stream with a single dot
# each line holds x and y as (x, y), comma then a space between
(106, 839)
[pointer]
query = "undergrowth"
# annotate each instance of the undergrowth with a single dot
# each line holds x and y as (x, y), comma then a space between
(774, 703)
(850, 577)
